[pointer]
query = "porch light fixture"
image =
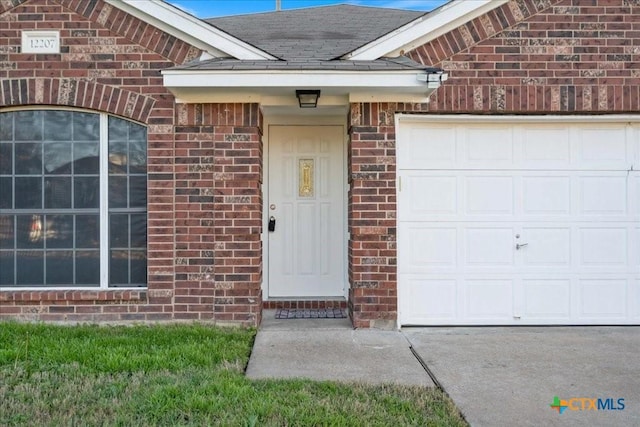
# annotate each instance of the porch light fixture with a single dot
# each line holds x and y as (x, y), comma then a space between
(308, 98)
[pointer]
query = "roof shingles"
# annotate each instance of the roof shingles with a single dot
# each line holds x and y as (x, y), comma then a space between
(382, 64)
(321, 33)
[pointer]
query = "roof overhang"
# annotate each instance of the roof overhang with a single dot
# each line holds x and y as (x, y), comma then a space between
(215, 42)
(424, 29)
(190, 86)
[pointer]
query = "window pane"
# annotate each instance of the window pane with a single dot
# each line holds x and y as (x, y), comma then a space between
(7, 229)
(6, 193)
(6, 157)
(29, 231)
(59, 268)
(28, 194)
(117, 191)
(138, 268)
(87, 231)
(86, 127)
(59, 231)
(118, 157)
(118, 129)
(119, 268)
(138, 133)
(28, 126)
(87, 268)
(30, 269)
(57, 158)
(6, 268)
(139, 230)
(119, 230)
(85, 159)
(6, 126)
(57, 192)
(138, 191)
(86, 192)
(57, 125)
(28, 158)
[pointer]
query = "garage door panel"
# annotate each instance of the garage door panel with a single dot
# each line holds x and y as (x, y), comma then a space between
(545, 147)
(546, 247)
(489, 299)
(437, 195)
(604, 246)
(603, 147)
(488, 146)
(546, 195)
(603, 195)
(489, 195)
(489, 247)
(433, 299)
(602, 298)
(548, 299)
(432, 247)
(429, 147)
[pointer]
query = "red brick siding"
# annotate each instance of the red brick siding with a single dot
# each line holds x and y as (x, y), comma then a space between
(111, 62)
(219, 211)
(372, 213)
(304, 304)
(571, 56)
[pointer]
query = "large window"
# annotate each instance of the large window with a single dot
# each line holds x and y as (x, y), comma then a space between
(73, 200)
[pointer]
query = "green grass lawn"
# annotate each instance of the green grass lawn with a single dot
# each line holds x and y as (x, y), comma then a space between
(180, 375)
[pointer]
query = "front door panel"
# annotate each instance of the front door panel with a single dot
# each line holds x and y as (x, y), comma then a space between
(306, 201)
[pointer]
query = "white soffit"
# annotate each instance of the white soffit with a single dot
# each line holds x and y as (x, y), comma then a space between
(196, 86)
(180, 24)
(424, 29)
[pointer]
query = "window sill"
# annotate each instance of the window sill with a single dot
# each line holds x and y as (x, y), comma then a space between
(98, 295)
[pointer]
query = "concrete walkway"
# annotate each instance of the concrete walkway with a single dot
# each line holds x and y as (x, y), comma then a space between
(330, 349)
(496, 376)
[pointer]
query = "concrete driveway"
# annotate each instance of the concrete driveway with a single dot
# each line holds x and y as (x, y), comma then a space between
(509, 376)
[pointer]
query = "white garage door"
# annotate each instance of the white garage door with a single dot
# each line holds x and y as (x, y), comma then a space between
(518, 222)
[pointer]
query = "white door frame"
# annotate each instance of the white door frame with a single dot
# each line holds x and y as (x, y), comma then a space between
(306, 120)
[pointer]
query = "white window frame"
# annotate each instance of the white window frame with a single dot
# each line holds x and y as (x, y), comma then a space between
(103, 207)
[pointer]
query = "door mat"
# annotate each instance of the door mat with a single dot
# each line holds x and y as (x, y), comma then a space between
(320, 313)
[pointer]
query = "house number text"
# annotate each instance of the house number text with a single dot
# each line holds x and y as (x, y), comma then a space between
(40, 42)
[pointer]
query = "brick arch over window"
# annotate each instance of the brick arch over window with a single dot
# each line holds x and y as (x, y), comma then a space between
(76, 93)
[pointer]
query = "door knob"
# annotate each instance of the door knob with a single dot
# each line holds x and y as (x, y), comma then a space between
(272, 224)
(520, 245)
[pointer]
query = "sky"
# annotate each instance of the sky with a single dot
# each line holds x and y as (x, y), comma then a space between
(215, 8)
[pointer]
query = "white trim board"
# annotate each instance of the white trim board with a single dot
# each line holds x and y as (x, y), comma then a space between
(424, 29)
(290, 120)
(363, 86)
(190, 29)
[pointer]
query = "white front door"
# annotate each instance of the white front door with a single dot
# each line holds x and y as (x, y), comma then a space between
(306, 196)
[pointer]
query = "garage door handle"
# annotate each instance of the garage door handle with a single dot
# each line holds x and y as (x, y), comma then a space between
(520, 245)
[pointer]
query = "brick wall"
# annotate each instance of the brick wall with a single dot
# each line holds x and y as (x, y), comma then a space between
(219, 212)
(111, 62)
(541, 56)
(372, 213)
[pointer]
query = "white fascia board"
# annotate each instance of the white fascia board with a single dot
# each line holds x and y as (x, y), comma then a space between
(264, 86)
(544, 118)
(192, 30)
(424, 29)
(293, 79)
